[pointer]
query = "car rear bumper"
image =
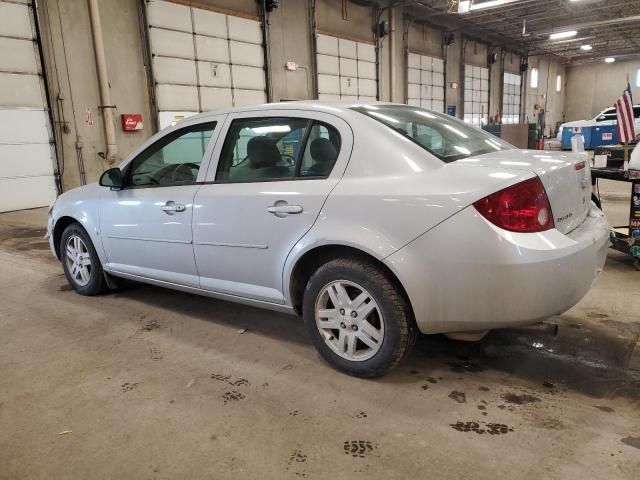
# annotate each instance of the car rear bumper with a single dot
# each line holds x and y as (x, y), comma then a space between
(467, 274)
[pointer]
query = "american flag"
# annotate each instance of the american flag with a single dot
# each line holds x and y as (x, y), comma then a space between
(624, 108)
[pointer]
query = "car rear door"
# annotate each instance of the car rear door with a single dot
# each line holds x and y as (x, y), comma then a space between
(146, 226)
(273, 174)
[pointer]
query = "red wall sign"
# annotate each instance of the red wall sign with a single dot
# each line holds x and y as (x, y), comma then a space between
(131, 122)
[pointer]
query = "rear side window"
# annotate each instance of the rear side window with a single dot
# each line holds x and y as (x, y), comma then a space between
(277, 148)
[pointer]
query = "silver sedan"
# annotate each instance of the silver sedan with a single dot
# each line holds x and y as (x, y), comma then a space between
(374, 222)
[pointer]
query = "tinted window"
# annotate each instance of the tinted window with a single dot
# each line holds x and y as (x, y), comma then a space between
(636, 112)
(444, 136)
(321, 151)
(608, 114)
(260, 149)
(173, 160)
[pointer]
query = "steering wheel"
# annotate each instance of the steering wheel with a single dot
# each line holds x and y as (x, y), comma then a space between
(288, 159)
(182, 166)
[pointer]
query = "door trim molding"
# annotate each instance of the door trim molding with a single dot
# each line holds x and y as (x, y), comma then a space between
(142, 239)
(237, 245)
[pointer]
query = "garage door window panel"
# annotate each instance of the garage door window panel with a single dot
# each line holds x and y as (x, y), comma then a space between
(173, 160)
(425, 82)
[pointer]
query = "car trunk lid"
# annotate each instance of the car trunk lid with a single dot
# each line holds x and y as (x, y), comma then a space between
(566, 178)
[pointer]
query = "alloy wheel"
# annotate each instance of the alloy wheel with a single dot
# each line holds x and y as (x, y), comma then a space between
(349, 320)
(78, 260)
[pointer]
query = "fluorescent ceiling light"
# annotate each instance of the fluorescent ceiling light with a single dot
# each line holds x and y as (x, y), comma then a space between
(272, 129)
(609, 60)
(466, 6)
(559, 35)
(586, 48)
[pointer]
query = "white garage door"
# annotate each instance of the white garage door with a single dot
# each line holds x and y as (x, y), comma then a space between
(476, 95)
(26, 149)
(346, 69)
(425, 82)
(203, 60)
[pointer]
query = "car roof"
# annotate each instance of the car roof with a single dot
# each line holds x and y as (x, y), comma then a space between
(310, 105)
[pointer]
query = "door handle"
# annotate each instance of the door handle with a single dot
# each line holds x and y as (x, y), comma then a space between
(171, 207)
(282, 209)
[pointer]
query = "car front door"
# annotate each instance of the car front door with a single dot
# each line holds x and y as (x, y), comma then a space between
(146, 226)
(274, 172)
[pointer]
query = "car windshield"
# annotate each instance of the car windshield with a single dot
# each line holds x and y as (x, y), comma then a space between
(444, 136)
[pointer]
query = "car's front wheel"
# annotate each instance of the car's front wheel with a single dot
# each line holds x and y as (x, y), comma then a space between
(80, 261)
(357, 317)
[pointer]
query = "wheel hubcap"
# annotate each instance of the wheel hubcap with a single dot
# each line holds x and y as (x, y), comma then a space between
(349, 320)
(78, 260)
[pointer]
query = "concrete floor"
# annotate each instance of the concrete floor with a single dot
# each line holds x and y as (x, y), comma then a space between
(149, 383)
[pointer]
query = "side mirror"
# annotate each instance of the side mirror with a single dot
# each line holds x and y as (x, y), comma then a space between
(112, 178)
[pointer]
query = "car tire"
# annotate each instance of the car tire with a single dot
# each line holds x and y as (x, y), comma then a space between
(382, 338)
(80, 261)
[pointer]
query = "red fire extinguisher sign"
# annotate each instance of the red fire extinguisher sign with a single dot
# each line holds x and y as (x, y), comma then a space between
(131, 122)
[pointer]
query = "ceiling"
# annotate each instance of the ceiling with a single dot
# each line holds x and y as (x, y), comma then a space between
(611, 27)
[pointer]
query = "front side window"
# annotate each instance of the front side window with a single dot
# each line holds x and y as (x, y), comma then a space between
(173, 160)
(444, 136)
(277, 148)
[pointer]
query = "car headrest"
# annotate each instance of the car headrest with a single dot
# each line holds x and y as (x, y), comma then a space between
(425, 140)
(263, 152)
(323, 151)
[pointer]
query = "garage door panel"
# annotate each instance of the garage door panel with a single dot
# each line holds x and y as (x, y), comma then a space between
(366, 52)
(214, 98)
(349, 98)
(17, 90)
(367, 88)
(328, 97)
(244, 30)
(246, 54)
(175, 70)
(169, 15)
(348, 67)
(348, 86)
(413, 90)
(177, 97)
(347, 48)
(214, 74)
(329, 84)
(437, 105)
(413, 61)
(23, 126)
(25, 160)
(15, 21)
(328, 64)
(366, 99)
(209, 23)
(366, 70)
(171, 44)
(414, 102)
(438, 65)
(249, 97)
(413, 75)
(212, 49)
(250, 78)
(18, 56)
(27, 192)
(327, 45)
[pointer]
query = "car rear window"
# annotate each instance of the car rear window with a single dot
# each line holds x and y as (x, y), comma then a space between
(444, 136)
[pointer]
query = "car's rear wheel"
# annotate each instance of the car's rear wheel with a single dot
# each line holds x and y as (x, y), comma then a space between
(80, 261)
(357, 317)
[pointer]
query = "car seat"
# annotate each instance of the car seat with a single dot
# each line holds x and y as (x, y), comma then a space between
(264, 156)
(324, 155)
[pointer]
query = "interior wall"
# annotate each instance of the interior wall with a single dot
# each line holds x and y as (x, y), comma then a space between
(545, 95)
(288, 22)
(71, 67)
(593, 87)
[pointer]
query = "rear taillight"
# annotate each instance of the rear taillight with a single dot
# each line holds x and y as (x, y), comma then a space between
(523, 207)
